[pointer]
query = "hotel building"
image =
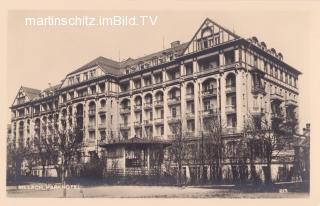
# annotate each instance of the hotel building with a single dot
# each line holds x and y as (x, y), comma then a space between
(216, 73)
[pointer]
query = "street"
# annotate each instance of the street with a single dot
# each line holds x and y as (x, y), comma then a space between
(111, 191)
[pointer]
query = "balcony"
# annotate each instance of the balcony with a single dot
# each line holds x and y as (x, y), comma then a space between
(102, 126)
(137, 108)
(147, 106)
(190, 96)
(209, 112)
(37, 127)
(230, 88)
(229, 130)
(137, 124)
(124, 126)
(125, 110)
(91, 127)
(230, 109)
(277, 116)
(209, 93)
(102, 110)
(21, 129)
(158, 103)
(174, 100)
(257, 111)
(79, 114)
(276, 97)
(258, 90)
(291, 103)
(92, 112)
(190, 115)
(147, 123)
(158, 121)
(173, 119)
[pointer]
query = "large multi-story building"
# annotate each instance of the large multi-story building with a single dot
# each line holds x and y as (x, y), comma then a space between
(216, 73)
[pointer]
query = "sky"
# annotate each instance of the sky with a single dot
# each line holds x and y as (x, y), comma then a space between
(38, 56)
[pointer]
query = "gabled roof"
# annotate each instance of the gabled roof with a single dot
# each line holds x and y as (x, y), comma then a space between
(109, 66)
(206, 21)
(30, 92)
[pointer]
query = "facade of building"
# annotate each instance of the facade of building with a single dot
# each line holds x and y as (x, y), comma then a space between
(216, 73)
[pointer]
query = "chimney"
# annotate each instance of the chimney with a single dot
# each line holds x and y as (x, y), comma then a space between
(175, 43)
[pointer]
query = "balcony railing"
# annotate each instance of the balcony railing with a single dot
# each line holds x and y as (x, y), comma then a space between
(125, 110)
(189, 96)
(92, 112)
(147, 105)
(190, 115)
(158, 121)
(209, 92)
(174, 100)
(209, 112)
(158, 103)
(257, 111)
(230, 109)
(137, 124)
(277, 116)
(230, 88)
(102, 110)
(124, 126)
(258, 90)
(174, 119)
(137, 108)
(291, 102)
(147, 123)
(102, 126)
(276, 97)
(91, 127)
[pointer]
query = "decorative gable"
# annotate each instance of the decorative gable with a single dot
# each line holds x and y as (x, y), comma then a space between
(21, 97)
(209, 35)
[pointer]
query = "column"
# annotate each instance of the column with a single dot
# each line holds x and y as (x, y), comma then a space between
(183, 106)
(223, 100)
(240, 104)
(166, 113)
(197, 107)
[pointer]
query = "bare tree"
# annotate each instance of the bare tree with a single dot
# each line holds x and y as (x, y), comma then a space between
(177, 151)
(266, 140)
(214, 146)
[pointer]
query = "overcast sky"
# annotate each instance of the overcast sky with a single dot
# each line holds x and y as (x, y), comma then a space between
(41, 55)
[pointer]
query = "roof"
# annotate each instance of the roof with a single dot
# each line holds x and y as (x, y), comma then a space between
(177, 49)
(109, 66)
(53, 88)
(31, 93)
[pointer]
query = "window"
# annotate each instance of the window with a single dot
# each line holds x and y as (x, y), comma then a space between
(111, 119)
(162, 130)
(276, 73)
(271, 71)
(216, 39)
(229, 56)
(265, 67)
(85, 76)
(161, 113)
(174, 112)
(255, 61)
(206, 105)
(191, 126)
(78, 78)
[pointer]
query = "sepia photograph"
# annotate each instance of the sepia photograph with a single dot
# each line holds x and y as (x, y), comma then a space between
(200, 103)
